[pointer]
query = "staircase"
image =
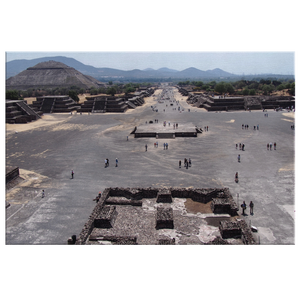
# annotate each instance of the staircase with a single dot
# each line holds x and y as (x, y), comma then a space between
(131, 105)
(28, 109)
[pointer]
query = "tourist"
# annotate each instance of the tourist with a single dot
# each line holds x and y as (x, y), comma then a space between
(117, 162)
(243, 147)
(105, 163)
(72, 174)
(164, 146)
(43, 193)
(146, 147)
(239, 158)
(268, 146)
(190, 162)
(236, 146)
(244, 206)
(167, 145)
(179, 163)
(274, 146)
(236, 177)
(251, 207)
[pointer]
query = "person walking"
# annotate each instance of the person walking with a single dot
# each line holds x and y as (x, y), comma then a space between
(239, 158)
(43, 193)
(251, 207)
(179, 163)
(117, 161)
(72, 174)
(236, 177)
(274, 146)
(146, 147)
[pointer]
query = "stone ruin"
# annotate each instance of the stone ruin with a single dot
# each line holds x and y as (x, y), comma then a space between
(157, 216)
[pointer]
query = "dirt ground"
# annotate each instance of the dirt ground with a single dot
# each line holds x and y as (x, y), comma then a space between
(195, 207)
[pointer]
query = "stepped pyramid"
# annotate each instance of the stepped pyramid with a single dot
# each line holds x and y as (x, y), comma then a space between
(51, 74)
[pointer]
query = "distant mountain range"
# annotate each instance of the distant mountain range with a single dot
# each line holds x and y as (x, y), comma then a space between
(16, 66)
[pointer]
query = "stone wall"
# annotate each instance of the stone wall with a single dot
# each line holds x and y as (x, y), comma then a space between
(237, 229)
(12, 174)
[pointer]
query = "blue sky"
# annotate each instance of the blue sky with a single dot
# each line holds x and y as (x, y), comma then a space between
(233, 62)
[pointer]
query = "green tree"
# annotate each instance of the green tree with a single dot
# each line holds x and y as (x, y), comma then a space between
(74, 95)
(111, 91)
(229, 88)
(12, 95)
(245, 91)
(220, 88)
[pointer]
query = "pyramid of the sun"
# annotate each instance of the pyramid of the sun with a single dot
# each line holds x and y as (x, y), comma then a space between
(51, 74)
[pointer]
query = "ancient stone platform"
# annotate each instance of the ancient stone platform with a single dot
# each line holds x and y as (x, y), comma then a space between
(169, 131)
(158, 216)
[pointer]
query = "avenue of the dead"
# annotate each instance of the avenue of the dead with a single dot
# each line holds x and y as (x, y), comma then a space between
(48, 149)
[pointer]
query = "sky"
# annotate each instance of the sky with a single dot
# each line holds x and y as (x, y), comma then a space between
(234, 62)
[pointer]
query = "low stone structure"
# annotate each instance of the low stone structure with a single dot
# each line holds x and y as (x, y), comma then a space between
(155, 215)
(17, 111)
(221, 103)
(237, 229)
(55, 104)
(11, 173)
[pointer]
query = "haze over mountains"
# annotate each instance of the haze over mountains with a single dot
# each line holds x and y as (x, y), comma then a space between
(16, 66)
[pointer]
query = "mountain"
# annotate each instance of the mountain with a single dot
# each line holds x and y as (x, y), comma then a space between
(218, 72)
(51, 74)
(167, 70)
(16, 66)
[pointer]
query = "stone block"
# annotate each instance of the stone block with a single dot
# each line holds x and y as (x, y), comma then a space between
(164, 196)
(106, 217)
(164, 218)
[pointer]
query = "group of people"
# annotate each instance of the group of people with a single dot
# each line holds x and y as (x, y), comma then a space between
(240, 146)
(205, 128)
(175, 125)
(244, 207)
(187, 163)
(166, 146)
(269, 146)
(246, 126)
(106, 162)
